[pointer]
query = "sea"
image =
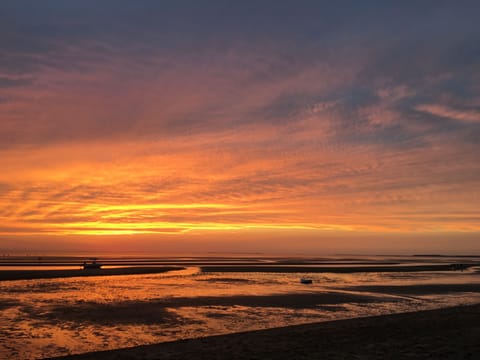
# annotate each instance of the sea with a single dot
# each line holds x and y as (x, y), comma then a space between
(53, 317)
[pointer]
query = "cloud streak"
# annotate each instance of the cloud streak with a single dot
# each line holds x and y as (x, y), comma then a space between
(468, 116)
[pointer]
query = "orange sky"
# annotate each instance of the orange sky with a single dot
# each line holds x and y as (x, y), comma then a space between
(232, 141)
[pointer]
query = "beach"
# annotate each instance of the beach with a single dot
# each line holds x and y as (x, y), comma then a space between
(67, 273)
(331, 269)
(450, 333)
(137, 269)
(239, 179)
(257, 308)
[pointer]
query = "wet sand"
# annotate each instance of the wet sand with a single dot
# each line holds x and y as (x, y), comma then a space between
(331, 269)
(417, 289)
(451, 333)
(132, 270)
(51, 274)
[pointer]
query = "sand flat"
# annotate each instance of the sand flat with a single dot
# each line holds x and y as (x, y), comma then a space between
(52, 274)
(330, 269)
(450, 333)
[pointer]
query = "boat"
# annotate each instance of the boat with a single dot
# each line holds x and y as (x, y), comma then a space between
(92, 265)
(306, 281)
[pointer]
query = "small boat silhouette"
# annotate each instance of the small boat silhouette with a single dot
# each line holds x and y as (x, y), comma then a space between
(306, 281)
(92, 265)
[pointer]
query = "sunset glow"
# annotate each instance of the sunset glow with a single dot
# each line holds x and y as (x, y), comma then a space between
(216, 123)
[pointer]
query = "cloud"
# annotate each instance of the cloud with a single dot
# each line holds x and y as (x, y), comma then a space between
(116, 115)
(462, 115)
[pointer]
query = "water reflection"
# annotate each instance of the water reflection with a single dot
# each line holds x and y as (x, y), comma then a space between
(50, 317)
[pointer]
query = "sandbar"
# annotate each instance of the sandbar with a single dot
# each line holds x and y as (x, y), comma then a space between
(333, 269)
(51, 274)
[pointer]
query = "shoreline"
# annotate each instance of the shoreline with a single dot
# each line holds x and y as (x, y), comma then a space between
(8, 275)
(440, 334)
(327, 269)
(30, 274)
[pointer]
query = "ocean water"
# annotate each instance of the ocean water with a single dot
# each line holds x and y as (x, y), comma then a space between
(52, 317)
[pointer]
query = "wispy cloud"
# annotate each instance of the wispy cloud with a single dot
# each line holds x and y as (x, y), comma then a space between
(463, 115)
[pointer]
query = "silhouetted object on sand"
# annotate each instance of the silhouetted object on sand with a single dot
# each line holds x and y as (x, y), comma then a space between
(92, 265)
(460, 267)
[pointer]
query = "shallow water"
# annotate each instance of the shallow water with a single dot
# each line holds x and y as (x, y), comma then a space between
(51, 317)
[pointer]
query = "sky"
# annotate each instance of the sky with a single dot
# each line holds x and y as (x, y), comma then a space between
(295, 127)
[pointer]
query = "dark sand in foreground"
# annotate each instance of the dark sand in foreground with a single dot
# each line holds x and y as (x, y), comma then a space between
(452, 333)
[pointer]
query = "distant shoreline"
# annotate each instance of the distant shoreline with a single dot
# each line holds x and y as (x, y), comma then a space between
(438, 334)
(6, 275)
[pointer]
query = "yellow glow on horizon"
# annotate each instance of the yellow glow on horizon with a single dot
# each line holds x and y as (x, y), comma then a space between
(195, 195)
(107, 208)
(97, 228)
